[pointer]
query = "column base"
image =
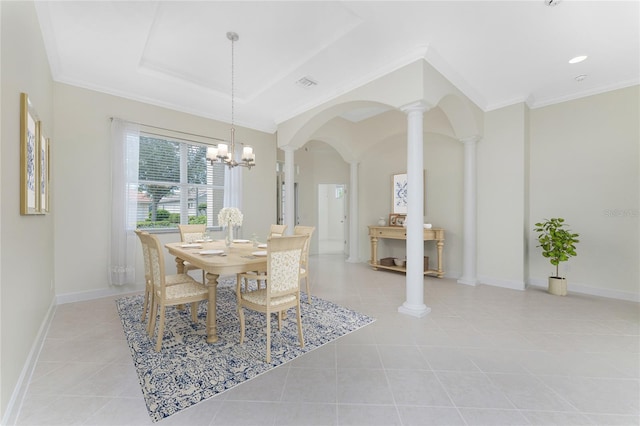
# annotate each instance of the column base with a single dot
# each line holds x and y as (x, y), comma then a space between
(417, 311)
(353, 260)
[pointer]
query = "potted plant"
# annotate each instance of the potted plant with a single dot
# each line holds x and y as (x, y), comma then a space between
(558, 244)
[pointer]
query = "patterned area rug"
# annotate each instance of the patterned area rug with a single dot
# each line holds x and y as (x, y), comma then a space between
(189, 370)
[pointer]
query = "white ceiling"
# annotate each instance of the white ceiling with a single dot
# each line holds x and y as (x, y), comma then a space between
(176, 54)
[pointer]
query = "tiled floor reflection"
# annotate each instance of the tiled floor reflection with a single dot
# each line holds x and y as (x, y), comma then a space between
(483, 356)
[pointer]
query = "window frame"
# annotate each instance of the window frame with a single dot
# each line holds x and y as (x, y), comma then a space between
(183, 185)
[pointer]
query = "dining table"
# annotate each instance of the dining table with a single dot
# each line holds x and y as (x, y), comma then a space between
(216, 259)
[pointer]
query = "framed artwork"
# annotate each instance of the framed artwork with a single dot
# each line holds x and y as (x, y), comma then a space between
(29, 158)
(399, 196)
(397, 219)
(399, 193)
(43, 171)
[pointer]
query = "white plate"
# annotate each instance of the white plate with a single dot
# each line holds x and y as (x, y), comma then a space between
(211, 252)
(191, 246)
(260, 253)
(262, 246)
(241, 241)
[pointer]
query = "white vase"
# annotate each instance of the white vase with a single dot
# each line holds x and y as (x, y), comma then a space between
(229, 237)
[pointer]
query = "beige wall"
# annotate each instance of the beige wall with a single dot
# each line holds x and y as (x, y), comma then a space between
(585, 168)
(26, 242)
(82, 183)
(502, 194)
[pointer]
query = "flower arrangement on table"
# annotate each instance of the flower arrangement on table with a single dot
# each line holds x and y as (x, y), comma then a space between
(230, 216)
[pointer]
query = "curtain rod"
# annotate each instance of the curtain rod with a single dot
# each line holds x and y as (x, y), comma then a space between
(169, 130)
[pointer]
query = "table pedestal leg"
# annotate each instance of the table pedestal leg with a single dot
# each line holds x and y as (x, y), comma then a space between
(180, 265)
(212, 330)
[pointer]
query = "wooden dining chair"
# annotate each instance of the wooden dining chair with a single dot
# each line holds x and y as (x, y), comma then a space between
(189, 234)
(282, 286)
(188, 291)
(274, 231)
(148, 287)
(277, 230)
(304, 260)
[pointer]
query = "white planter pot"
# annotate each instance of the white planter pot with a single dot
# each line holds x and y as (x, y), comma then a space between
(558, 286)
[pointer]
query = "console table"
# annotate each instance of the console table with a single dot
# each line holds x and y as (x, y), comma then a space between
(400, 233)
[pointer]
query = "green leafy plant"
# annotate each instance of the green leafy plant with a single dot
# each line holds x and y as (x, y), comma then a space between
(557, 242)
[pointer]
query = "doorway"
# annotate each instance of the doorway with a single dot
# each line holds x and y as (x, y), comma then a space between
(332, 218)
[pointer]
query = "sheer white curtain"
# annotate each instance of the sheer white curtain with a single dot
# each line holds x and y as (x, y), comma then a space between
(233, 184)
(125, 139)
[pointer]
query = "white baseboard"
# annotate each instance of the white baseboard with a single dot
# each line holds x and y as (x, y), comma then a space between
(584, 289)
(496, 282)
(15, 402)
(82, 296)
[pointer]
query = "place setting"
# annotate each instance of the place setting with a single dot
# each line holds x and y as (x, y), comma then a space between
(217, 252)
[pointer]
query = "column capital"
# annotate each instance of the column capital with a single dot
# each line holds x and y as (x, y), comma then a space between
(420, 106)
(288, 148)
(470, 139)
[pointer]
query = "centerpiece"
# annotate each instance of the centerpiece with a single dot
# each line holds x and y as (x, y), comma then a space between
(229, 217)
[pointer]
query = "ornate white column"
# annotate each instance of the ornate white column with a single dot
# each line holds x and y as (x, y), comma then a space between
(469, 254)
(353, 213)
(414, 305)
(289, 201)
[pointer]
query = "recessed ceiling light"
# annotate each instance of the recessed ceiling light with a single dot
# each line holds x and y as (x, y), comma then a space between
(580, 77)
(577, 59)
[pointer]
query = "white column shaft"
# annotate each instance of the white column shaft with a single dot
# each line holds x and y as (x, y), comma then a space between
(469, 259)
(414, 305)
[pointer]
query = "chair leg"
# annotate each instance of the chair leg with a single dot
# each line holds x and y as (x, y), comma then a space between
(239, 282)
(194, 311)
(241, 316)
(152, 321)
(145, 306)
(160, 329)
(300, 337)
(280, 320)
(308, 290)
(268, 337)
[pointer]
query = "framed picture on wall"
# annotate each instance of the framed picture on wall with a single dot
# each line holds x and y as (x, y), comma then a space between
(29, 158)
(43, 170)
(399, 193)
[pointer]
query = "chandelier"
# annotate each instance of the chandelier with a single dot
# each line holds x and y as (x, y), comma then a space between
(224, 153)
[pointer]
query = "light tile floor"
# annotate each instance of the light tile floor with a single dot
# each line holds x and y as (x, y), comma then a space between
(483, 356)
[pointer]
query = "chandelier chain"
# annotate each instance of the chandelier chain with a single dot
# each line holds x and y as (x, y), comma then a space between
(225, 153)
(232, 82)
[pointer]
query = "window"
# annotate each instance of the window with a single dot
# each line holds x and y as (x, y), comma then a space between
(176, 184)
